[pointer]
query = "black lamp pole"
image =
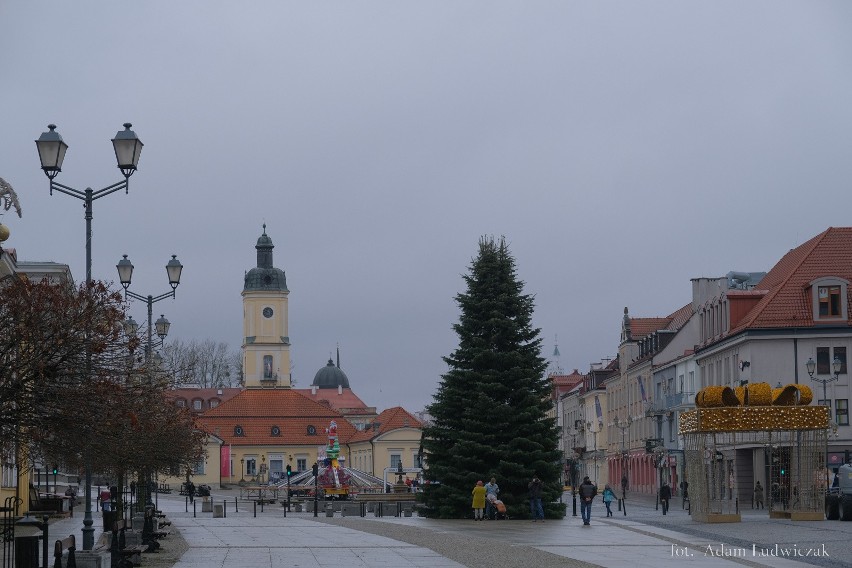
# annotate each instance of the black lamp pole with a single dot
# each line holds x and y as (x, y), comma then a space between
(51, 151)
(125, 275)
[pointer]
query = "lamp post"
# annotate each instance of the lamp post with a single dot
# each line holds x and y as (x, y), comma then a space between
(51, 153)
(623, 425)
(242, 470)
(595, 453)
(836, 366)
(125, 275)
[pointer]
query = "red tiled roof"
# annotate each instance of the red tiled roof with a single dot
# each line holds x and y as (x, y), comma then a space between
(258, 410)
(787, 301)
(640, 327)
(346, 399)
(390, 419)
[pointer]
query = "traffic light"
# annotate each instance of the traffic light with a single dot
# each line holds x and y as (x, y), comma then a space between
(316, 470)
(55, 470)
(289, 471)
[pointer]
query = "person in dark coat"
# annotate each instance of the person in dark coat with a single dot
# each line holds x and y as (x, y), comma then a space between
(190, 490)
(587, 491)
(536, 509)
(665, 496)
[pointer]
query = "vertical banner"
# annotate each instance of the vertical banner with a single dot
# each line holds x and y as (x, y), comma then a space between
(642, 388)
(225, 462)
(598, 410)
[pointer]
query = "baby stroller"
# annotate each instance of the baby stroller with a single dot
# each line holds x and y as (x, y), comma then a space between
(499, 507)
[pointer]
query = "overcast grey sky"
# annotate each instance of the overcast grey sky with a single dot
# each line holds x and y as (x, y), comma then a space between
(621, 147)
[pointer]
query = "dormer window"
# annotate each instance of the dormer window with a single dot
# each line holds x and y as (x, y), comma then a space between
(829, 299)
(238, 431)
(276, 431)
(312, 431)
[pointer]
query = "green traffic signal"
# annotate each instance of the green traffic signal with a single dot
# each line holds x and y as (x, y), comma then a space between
(55, 470)
(289, 471)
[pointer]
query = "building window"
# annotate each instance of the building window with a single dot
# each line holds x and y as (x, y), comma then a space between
(196, 404)
(181, 403)
(238, 431)
(395, 460)
(301, 464)
(312, 431)
(251, 466)
(829, 301)
(825, 360)
(214, 403)
(199, 467)
(841, 415)
(275, 431)
(267, 366)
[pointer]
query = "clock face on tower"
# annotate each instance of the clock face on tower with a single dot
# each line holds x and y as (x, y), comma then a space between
(267, 312)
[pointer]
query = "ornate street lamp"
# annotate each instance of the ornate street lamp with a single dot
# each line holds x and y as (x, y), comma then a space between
(836, 366)
(125, 275)
(51, 152)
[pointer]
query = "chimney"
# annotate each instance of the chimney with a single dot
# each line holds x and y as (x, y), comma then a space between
(313, 389)
(339, 389)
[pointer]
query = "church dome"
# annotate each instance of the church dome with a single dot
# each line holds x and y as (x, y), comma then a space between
(330, 377)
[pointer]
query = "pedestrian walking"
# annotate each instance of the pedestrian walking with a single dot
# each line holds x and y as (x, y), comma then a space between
(624, 484)
(491, 488)
(608, 497)
(665, 496)
(587, 492)
(478, 500)
(132, 490)
(190, 490)
(536, 509)
(105, 500)
(758, 496)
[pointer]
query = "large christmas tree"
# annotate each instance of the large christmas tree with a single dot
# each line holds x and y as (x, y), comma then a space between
(489, 414)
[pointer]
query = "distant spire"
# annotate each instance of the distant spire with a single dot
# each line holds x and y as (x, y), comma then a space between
(338, 355)
(556, 346)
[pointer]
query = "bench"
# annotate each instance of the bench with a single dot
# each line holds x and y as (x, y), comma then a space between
(61, 546)
(44, 505)
(122, 554)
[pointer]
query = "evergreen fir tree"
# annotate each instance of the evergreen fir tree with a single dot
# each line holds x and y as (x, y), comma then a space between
(489, 414)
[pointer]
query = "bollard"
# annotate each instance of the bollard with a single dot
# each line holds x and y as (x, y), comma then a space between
(255, 508)
(236, 505)
(262, 501)
(193, 509)
(186, 503)
(624, 506)
(285, 511)
(225, 508)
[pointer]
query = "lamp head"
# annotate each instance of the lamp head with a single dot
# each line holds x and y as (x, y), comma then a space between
(51, 151)
(811, 366)
(125, 271)
(130, 326)
(162, 326)
(173, 269)
(836, 366)
(127, 148)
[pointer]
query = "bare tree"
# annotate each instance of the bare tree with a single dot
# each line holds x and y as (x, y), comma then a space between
(207, 363)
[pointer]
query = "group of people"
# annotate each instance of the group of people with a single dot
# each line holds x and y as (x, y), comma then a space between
(486, 504)
(485, 500)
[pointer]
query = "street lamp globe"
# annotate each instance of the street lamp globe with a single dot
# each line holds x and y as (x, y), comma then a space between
(173, 269)
(130, 326)
(811, 366)
(125, 271)
(127, 148)
(51, 151)
(837, 365)
(162, 325)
